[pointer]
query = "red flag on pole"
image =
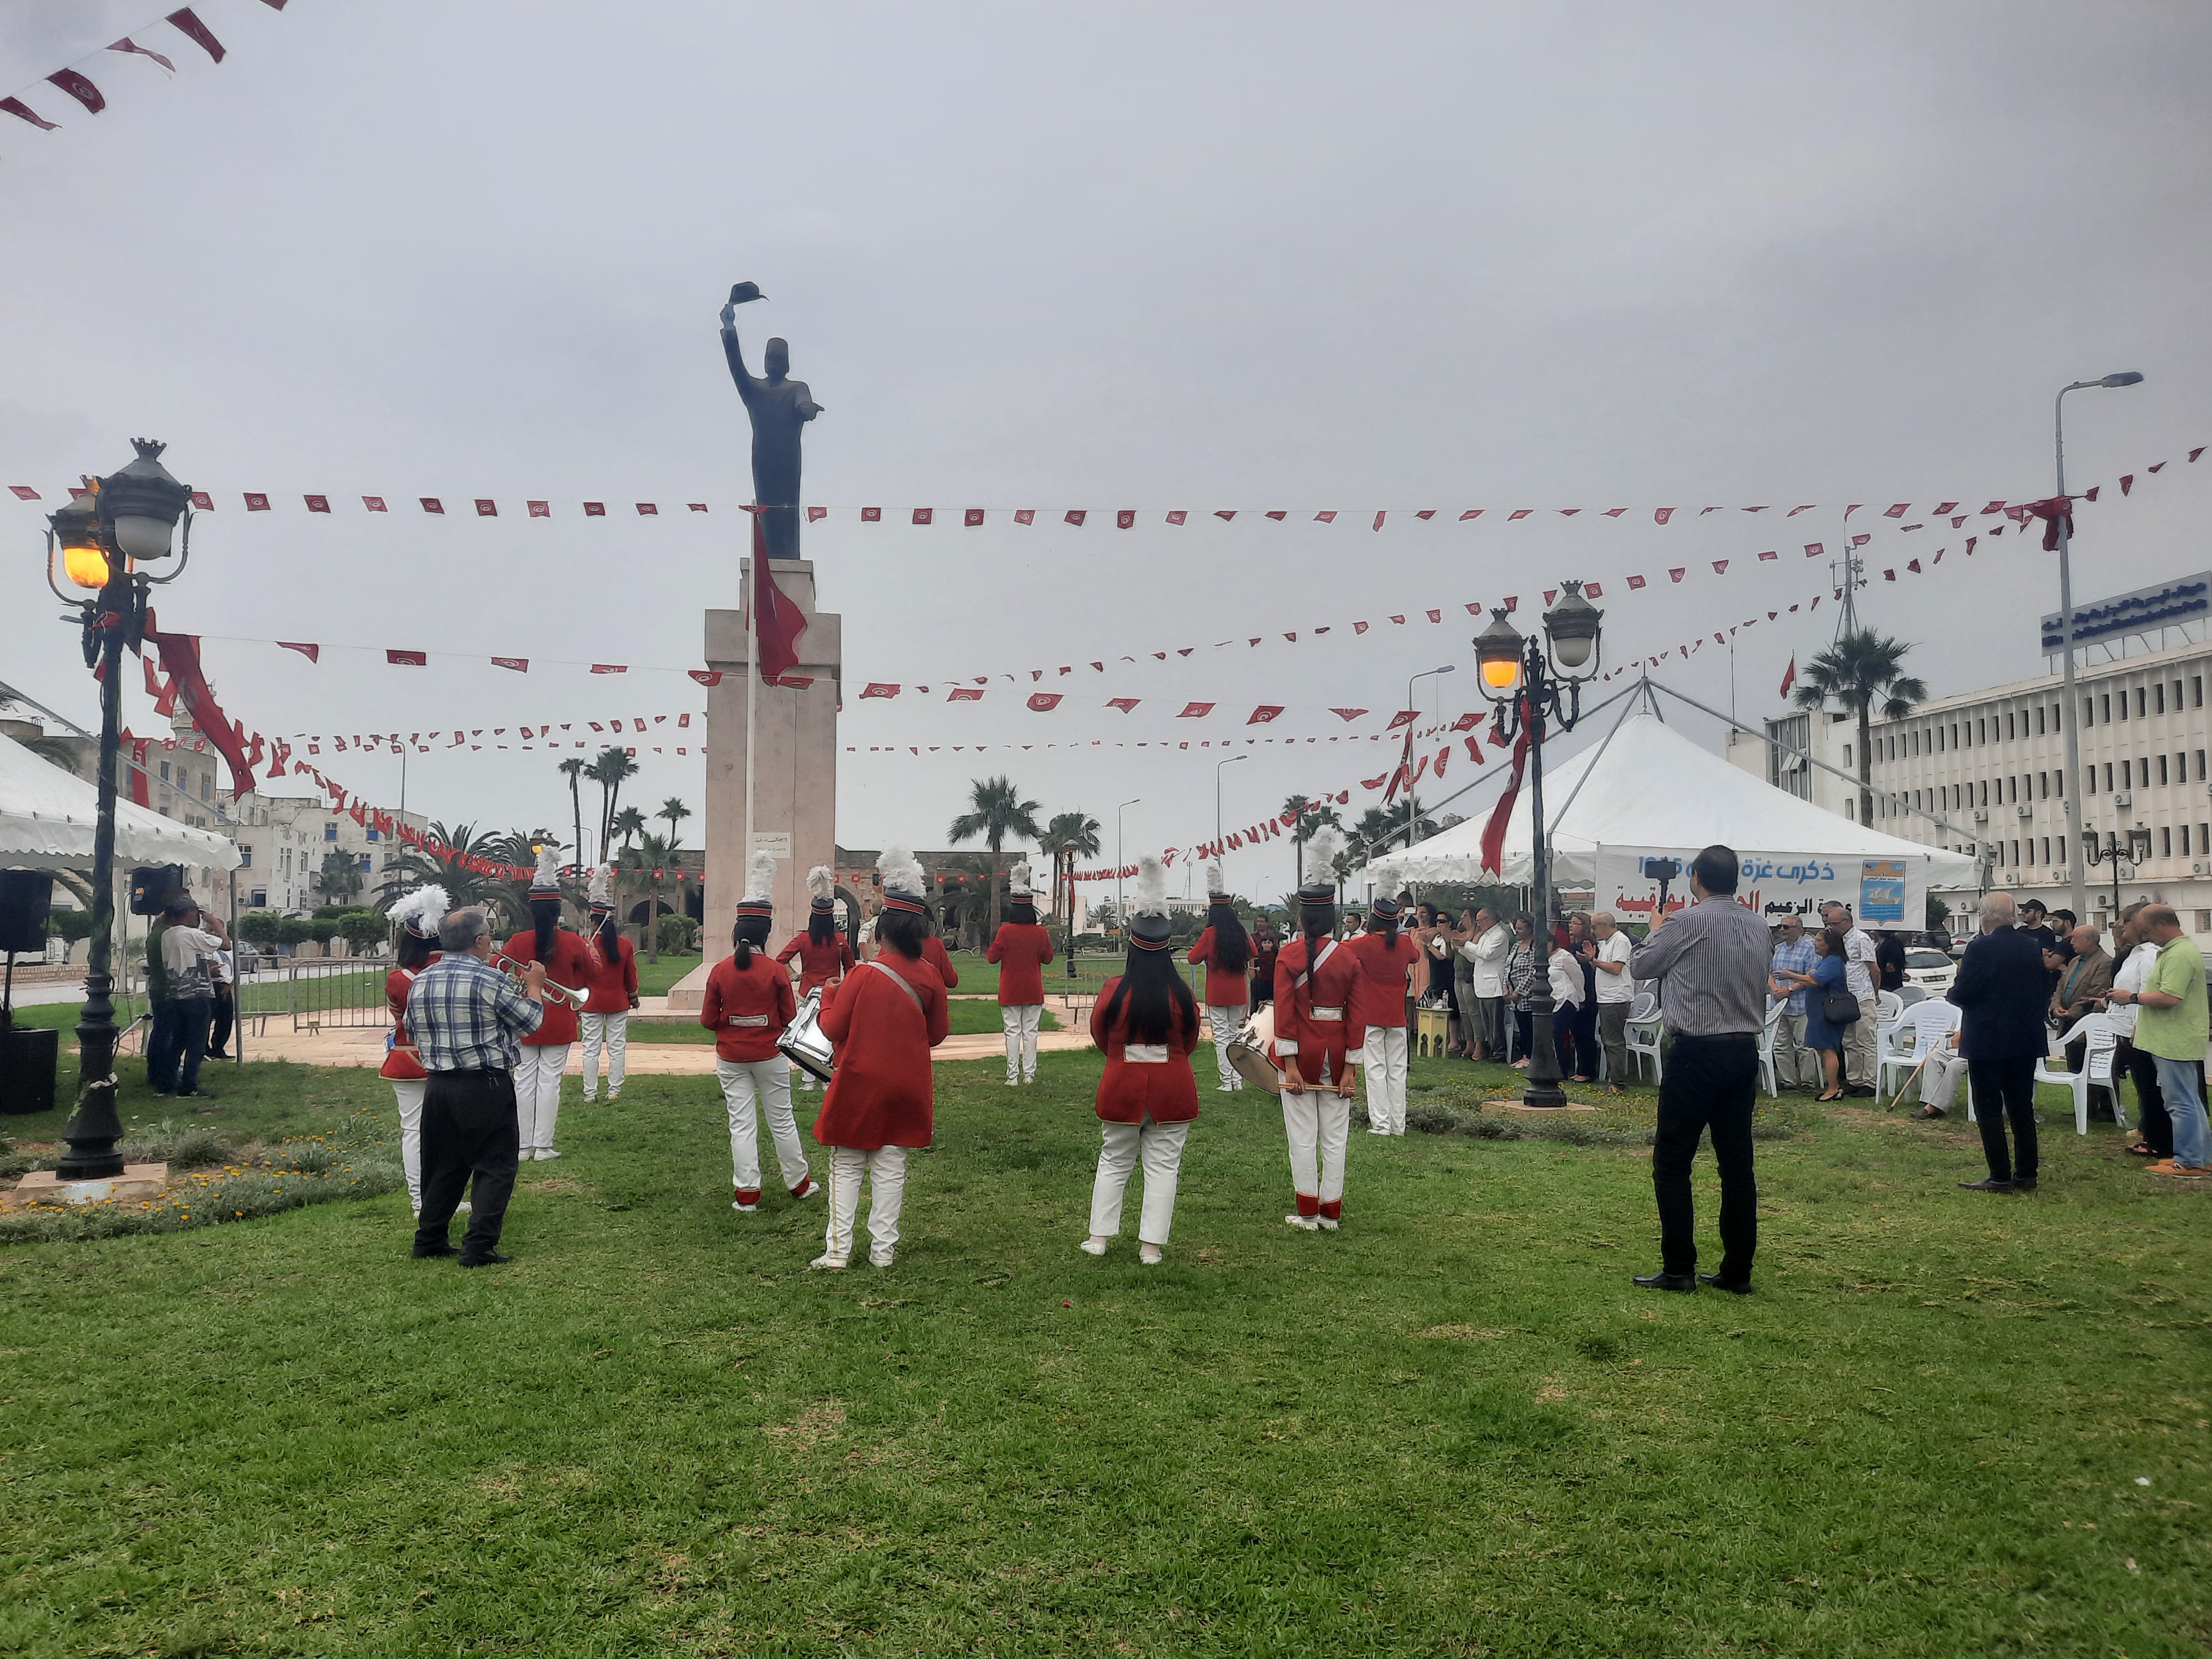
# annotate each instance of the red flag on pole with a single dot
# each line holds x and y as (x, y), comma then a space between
(180, 661)
(778, 620)
(1789, 675)
(1493, 833)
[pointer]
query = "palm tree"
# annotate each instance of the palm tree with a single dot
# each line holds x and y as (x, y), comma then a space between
(572, 769)
(996, 812)
(675, 812)
(610, 770)
(650, 862)
(463, 886)
(629, 824)
(1069, 837)
(339, 880)
(1858, 671)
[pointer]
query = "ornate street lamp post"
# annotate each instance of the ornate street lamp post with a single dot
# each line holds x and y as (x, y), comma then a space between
(1540, 683)
(122, 521)
(2122, 854)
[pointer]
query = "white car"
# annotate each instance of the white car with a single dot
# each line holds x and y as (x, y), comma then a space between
(1931, 969)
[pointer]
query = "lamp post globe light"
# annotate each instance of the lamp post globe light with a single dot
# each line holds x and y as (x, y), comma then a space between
(2076, 882)
(1541, 684)
(2124, 854)
(130, 518)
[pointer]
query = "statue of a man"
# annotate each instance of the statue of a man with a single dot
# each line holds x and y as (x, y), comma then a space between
(779, 408)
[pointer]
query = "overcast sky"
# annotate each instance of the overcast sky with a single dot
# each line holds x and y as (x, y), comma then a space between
(1152, 257)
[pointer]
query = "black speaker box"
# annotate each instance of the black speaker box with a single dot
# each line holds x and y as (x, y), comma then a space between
(28, 1057)
(151, 885)
(25, 896)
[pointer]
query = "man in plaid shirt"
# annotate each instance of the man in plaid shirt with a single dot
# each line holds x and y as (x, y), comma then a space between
(466, 1017)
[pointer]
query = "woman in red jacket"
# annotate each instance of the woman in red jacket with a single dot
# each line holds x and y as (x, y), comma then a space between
(884, 1018)
(418, 915)
(748, 1002)
(1224, 950)
(1386, 957)
(1318, 1040)
(824, 952)
(1146, 1021)
(611, 984)
(545, 1051)
(1021, 949)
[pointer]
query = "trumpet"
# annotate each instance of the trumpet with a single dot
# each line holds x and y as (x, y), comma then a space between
(513, 969)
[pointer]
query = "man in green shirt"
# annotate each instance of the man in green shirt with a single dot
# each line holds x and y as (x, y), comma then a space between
(2173, 1028)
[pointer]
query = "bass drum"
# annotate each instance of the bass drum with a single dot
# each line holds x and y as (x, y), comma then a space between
(1252, 1052)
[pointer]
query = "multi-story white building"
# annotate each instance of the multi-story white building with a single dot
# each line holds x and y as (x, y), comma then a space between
(284, 839)
(1985, 773)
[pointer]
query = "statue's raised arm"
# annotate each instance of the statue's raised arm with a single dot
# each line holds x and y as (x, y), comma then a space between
(779, 408)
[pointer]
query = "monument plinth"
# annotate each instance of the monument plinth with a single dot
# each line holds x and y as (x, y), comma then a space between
(794, 768)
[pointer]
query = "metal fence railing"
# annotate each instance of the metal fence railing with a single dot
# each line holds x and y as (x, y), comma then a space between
(335, 994)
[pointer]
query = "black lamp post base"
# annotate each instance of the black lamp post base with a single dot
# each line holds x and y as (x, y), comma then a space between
(1543, 1079)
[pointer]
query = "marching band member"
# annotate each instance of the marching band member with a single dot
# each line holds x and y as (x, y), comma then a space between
(418, 915)
(1146, 1021)
(545, 1051)
(1318, 1040)
(611, 980)
(748, 1002)
(1386, 956)
(1224, 950)
(934, 953)
(1021, 949)
(885, 1018)
(822, 952)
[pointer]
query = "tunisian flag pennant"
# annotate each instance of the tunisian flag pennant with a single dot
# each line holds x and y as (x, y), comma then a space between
(189, 25)
(180, 661)
(17, 107)
(705, 677)
(1493, 833)
(312, 652)
(1043, 703)
(408, 659)
(1264, 713)
(1789, 675)
(777, 618)
(80, 88)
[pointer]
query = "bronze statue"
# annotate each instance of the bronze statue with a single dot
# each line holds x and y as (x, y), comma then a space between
(779, 407)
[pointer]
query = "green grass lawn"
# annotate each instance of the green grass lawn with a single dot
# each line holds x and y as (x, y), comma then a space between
(1452, 1427)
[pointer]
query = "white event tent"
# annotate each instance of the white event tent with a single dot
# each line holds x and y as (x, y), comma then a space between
(1648, 791)
(48, 818)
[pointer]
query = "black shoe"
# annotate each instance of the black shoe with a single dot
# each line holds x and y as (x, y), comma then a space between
(1662, 1280)
(1859, 1091)
(484, 1260)
(1720, 1284)
(1989, 1186)
(2021, 1185)
(218, 1054)
(194, 1094)
(423, 1252)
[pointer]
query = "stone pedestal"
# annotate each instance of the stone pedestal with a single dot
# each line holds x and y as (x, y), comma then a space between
(795, 775)
(137, 1180)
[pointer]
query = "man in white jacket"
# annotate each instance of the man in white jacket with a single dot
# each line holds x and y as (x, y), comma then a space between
(1488, 943)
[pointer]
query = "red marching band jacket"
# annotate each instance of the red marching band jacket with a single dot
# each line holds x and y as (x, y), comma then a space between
(571, 966)
(1382, 971)
(1156, 1078)
(1021, 949)
(611, 980)
(401, 1060)
(1223, 990)
(932, 952)
(882, 1093)
(747, 1008)
(1318, 1044)
(817, 963)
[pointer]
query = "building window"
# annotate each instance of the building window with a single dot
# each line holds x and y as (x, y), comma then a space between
(330, 832)
(207, 786)
(2184, 841)
(2204, 922)
(2177, 696)
(2105, 699)
(2197, 691)
(2165, 840)
(2161, 770)
(2091, 776)
(372, 834)
(2054, 717)
(1851, 810)
(2160, 689)
(2015, 859)
(2061, 859)
(245, 858)
(2141, 708)
(1847, 754)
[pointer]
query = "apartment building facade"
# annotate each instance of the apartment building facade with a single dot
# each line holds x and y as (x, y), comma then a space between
(283, 841)
(1985, 773)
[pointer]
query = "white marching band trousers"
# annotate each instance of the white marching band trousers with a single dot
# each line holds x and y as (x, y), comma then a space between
(1020, 1019)
(1158, 1146)
(614, 1030)
(538, 1095)
(1384, 1061)
(885, 1171)
(408, 1090)
(752, 1089)
(1317, 1123)
(1227, 1019)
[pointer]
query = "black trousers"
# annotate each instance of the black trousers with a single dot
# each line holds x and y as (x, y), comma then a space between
(2141, 1066)
(469, 1128)
(2006, 1089)
(1709, 1082)
(219, 1022)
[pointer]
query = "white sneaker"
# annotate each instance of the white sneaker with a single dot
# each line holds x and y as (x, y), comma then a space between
(1325, 1223)
(1149, 1254)
(546, 1152)
(1013, 1083)
(880, 1258)
(1306, 1223)
(588, 1099)
(742, 1207)
(811, 1189)
(1092, 1246)
(1224, 1088)
(462, 1208)
(613, 1094)
(835, 1262)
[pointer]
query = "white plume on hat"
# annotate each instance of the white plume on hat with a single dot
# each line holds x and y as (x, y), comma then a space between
(1018, 881)
(821, 883)
(901, 871)
(760, 878)
(1320, 857)
(1214, 883)
(1387, 882)
(422, 909)
(547, 878)
(602, 894)
(1151, 899)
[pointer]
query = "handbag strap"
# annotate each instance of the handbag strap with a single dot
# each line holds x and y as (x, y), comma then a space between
(899, 980)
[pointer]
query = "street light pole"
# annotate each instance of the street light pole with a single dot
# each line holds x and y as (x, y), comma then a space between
(1120, 921)
(1218, 765)
(1425, 674)
(2076, 882)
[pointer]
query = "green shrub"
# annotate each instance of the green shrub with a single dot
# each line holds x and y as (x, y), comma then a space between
(261, 927)
(679, 932)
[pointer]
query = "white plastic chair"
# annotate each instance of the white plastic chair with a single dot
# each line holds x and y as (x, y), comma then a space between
(1643, 1034)
(1900, 1049)
(1888, 1009)
(2102, 1039)
(1766, 1045)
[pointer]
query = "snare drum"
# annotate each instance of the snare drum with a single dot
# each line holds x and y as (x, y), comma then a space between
(1252, 1052)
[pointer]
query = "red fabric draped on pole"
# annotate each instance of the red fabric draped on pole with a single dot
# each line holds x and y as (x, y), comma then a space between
(2051, 512)
(1493, 833)
(180, 661)
(777, 622)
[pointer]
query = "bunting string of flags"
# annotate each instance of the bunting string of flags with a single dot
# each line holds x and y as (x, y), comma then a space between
(150, 41)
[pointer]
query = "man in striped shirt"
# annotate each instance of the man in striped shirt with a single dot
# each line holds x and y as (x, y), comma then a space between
(468, 1019)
